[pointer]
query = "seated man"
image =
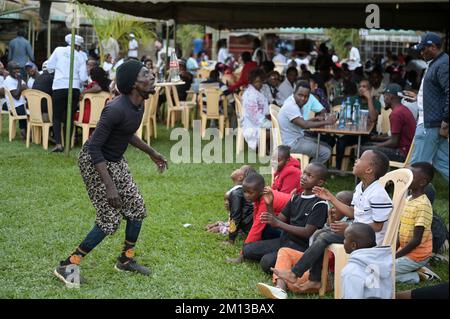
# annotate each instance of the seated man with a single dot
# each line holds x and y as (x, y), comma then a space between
(403, 126)
(293, 119)
(16, 85)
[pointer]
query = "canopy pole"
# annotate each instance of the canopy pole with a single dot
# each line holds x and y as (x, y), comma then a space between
(49, 37)
(167, 46)
(69, 98)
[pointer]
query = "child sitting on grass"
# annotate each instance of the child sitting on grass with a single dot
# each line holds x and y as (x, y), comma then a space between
(253, 187)
(288, 174)
(370, 205)
(240, 210)
(368, 273)
(288, 257)
(415, 239)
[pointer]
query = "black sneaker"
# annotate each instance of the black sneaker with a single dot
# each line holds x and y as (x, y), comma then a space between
(70, 275)
(132, 266)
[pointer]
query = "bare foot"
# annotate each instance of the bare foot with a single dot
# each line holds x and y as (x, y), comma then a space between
(285, 274)
(237, 260)
(310, 287)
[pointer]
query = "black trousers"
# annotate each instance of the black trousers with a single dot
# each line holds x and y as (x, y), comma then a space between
(266, 251)
(59, 99)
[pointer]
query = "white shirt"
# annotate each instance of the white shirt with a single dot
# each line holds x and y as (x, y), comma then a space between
(112, 47)
(279, 58)
(372, 205)
(222, 55)
(420, 99)
(60, 62)
(354, 59)
(285, 90)
(10, 83)
(133, 48)
(30, 82)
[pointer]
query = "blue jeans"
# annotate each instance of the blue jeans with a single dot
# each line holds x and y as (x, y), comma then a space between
(406, 270)
(430, 147)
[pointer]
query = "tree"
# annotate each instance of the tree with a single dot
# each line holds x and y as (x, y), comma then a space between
(186, 33)
(119, 26)
(338, 37)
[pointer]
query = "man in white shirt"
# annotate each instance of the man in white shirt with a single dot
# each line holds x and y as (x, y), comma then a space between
(161, 54)
(111, 47)
(294, 119)
(133, 47)
(354, 58)
(60, 62)
(32, 72)
(16, 86)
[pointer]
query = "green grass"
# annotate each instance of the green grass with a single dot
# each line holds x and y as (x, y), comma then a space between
(45, 213)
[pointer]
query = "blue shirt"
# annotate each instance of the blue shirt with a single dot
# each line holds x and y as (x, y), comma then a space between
(20, 51)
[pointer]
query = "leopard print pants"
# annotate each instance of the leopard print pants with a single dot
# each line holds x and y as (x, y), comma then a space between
(107, 217)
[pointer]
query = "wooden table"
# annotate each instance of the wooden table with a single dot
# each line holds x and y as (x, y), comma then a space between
(349, 129)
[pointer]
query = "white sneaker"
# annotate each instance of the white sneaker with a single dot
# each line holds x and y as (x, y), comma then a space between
(427, 274)
(271, 292)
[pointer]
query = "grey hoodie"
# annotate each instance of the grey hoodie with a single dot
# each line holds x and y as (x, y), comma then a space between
(368, 274)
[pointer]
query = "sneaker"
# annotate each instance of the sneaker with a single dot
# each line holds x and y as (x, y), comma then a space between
(58, 149)
(426, 274)
(271, 292)
(132, 266)
(70, 275)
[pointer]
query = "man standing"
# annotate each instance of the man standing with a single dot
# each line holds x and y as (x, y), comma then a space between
(106, 174)
(111, 47)
(60, 61)
(133, 47)
(431, 138)
(20, 51)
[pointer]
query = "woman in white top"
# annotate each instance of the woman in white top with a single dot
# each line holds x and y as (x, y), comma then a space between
(255, 109)
(223, 51)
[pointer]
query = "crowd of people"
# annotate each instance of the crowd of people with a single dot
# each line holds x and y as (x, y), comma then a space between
(288, 225)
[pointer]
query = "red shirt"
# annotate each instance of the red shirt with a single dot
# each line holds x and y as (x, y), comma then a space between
(403, 123)
(243, 79)
(87, 106)
(279, 201)
(288, 178)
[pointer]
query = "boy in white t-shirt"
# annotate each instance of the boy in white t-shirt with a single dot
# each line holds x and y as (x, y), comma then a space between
(370, 205)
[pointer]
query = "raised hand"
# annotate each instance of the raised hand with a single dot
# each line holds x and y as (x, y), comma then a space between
(322, 193)
(268, 196)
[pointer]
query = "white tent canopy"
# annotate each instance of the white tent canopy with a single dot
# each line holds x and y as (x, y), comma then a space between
(231, 14)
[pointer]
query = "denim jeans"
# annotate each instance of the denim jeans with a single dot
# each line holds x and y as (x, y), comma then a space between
(406, 270)
(308, 146)
(430, 147)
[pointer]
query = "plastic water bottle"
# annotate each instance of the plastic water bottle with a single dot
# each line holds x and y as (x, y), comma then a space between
(356, 112)
(342, 117)
(174, 68)
(348, 110)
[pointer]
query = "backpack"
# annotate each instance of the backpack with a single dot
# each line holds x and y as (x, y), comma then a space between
(440, 234)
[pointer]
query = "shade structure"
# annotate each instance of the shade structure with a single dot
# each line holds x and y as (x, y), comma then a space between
(232, 14)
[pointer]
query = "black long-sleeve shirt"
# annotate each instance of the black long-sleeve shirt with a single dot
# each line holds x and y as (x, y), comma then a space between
(119, 121)
(241, 212)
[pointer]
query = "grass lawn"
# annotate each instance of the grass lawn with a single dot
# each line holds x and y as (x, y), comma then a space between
(45, 213)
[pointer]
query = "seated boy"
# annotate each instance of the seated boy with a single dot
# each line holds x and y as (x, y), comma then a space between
(288, 257)
(368, 273)
(301, 217)
(240, 210)
(253, 187)
(288, 174)
(415, 240)
(370, 205)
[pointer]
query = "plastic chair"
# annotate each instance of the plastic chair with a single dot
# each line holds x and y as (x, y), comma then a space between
(175, 105)
(148, 124)
(384, 125)
(34, 98)
(276, 137)
(98, 102)
(13, 116)
(239, 115)
(407, 159)
(213, 97)
(401, 178)
(1, 121)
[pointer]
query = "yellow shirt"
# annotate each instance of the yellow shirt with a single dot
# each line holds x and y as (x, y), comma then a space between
(418, 212)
